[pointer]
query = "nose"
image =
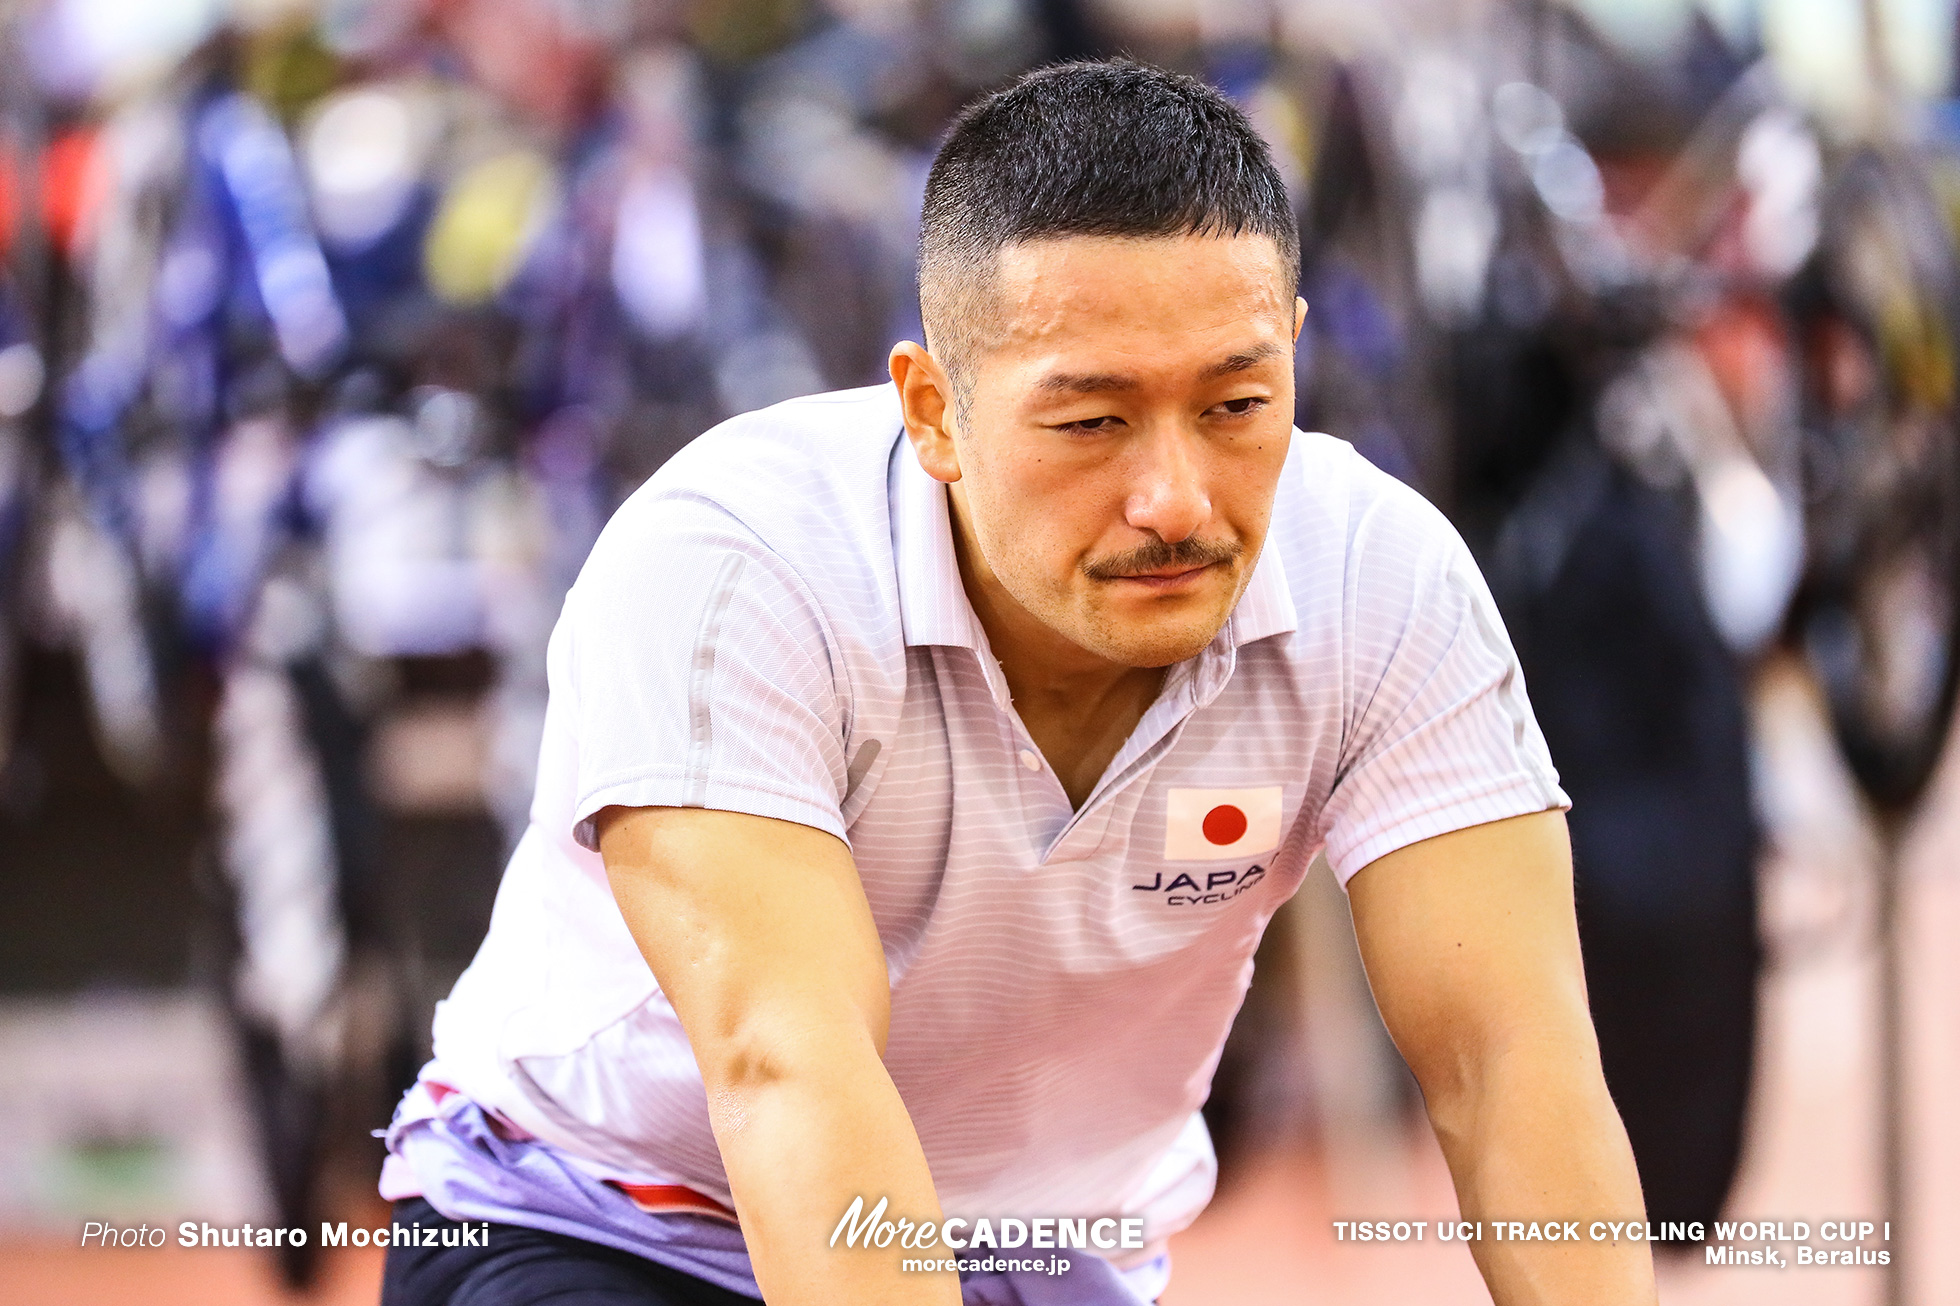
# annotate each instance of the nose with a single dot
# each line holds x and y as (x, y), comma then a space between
(1169, 494)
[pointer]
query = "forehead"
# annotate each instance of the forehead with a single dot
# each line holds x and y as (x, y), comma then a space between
(1150, 293)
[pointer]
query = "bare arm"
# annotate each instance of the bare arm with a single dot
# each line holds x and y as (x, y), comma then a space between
(760, 936)
(1473, 955)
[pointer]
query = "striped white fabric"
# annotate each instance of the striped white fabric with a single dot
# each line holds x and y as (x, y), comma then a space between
(775, 624)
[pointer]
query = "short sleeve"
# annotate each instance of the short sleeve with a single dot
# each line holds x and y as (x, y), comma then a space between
(698, 672)
(1438, 733)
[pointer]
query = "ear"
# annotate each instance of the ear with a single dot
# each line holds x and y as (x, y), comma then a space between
(925, 397)
(1299, 315)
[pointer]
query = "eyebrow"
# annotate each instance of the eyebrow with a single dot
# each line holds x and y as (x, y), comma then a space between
(1090, 383)
(1243, 361)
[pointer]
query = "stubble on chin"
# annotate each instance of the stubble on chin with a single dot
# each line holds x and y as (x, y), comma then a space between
(1145, 641)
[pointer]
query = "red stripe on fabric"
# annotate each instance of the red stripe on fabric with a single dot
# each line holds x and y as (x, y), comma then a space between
(658, 1199)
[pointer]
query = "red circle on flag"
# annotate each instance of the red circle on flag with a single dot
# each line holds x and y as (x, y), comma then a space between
(1224, 824)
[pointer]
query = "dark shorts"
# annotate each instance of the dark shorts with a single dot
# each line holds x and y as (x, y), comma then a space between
(521, 1267)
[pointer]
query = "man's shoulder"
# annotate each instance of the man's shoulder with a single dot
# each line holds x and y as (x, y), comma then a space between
(1335, 509)
(1368, 561)
(806, 478)
(833, 446)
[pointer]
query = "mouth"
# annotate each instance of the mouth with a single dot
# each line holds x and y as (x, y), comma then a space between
(1158, 568)
(1167, 579)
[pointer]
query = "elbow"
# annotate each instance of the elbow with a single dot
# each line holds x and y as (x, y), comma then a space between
(1451, 1087)
(1463, 1084)
(766, 1052)
(776, 1069)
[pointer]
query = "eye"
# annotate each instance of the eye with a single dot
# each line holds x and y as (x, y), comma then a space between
(1243, 407)
(1090, 426)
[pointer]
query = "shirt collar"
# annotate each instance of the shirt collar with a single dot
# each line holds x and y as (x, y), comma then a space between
(1266, 607)
(932, 600)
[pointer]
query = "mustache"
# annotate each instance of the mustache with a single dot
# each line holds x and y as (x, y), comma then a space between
(1157, 555)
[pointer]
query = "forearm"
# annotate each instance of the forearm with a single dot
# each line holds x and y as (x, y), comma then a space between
(1473, 952)
(778, 976)
(803, 1135)
(1533, 1136)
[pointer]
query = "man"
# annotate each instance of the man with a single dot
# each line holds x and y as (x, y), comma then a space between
(924, 762)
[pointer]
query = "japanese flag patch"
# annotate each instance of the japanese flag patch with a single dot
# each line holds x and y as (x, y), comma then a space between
(1215, 825)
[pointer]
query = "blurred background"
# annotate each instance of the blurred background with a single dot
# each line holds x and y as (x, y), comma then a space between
(331, 331)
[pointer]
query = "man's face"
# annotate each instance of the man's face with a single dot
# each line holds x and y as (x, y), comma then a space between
(1118, 457)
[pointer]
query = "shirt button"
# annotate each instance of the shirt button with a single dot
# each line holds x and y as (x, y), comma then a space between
(1030, 760)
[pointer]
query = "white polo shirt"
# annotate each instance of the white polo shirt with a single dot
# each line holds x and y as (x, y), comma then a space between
(775, 624)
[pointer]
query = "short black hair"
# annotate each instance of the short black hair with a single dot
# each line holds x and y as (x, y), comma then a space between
(1098, 148)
